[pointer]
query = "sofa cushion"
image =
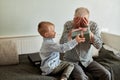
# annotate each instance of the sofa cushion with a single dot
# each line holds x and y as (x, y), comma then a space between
(8, 53)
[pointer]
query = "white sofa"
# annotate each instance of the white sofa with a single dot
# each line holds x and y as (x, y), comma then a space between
(111, 42)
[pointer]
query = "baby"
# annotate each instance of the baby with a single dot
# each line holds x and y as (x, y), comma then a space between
(50, 51)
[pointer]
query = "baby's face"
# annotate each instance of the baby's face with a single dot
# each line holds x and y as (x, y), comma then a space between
(51, 31)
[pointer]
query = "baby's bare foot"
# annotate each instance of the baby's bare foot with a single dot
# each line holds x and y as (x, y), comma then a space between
(63, 78)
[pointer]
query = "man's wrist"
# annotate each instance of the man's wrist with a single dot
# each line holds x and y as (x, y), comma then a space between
(91, 37)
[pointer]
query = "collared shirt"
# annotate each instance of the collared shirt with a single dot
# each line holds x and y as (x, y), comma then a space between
(49, 53)
(83, 51)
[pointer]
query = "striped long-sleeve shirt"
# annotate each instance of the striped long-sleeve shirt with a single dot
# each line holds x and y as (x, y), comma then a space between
(49, 53)
(82, 52)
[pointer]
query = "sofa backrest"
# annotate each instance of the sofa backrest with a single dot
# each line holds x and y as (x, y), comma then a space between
(111, 40)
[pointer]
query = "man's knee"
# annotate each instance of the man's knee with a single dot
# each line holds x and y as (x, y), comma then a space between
(108, 75)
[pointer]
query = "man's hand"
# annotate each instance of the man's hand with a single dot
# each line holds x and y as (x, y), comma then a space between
(79, 39)
(80, 22)
(77, 21)
(84, 22)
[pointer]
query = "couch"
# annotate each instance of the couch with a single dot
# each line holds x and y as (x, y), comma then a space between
(14, 66)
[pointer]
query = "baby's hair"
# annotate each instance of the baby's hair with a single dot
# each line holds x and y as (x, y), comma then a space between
(81, 10)
(43, 27)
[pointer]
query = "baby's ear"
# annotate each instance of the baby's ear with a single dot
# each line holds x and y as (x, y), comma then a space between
(46, 35)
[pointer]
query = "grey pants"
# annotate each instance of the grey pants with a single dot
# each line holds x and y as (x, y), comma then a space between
(95, 69)
(64, 66)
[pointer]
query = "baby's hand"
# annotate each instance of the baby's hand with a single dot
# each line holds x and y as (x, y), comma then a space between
(70, 33)
(79, 39)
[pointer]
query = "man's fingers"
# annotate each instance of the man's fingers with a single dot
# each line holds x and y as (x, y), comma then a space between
(81, 34)
(77, 21)
(85, 21)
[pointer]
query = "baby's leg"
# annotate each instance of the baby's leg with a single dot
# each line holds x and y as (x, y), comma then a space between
(66, 68)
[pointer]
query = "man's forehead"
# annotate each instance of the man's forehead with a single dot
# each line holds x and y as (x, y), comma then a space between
(81, 13)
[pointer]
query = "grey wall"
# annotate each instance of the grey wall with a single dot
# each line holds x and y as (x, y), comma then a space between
(20, 17)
